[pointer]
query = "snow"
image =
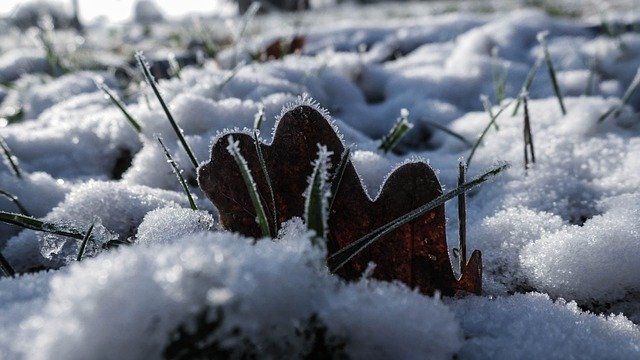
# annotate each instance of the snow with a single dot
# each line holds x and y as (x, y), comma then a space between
(560, 240)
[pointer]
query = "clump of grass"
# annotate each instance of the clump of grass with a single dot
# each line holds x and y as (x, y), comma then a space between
(117, 102)
(85, 240)
(252, 188)
(397, 132)
(337, 260)
(617, 109)
(527, 83)
(528, 137)
(15, 201)
(10, 159)
(316, 207)
(152, 82)
(542, 39)
(178, 172)
(267, 178)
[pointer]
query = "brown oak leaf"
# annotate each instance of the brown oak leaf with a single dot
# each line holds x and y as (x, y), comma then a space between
(415, 254)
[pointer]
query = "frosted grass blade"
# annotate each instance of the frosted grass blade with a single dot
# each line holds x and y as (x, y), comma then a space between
(178, 172)
(15, 200)
(85, 240)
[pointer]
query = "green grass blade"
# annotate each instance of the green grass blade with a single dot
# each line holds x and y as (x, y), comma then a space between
(11, 160)
(485, 131)
(267, 178)
(542, 39)
(15, 200)
(527, 84)
(31, 223)
(337, 176)
(6, 268)
(152, 82)
(316, 196)
(252, 188)
(85, 240)
(230, 76)
(117, 102)
(337, 260)
(499, 76)
(399, 130)
(178, 172)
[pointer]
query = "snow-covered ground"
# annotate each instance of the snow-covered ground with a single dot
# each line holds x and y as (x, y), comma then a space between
(560, 240)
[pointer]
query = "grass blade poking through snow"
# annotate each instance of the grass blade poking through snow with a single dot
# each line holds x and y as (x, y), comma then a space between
(485, 131)
(11, 160)
(542, 39)
(85, 240)
(527, 84)
(6, 268)
(152, 82)
(178, 172)
(252, 188)
(267, 178)
(317, 197)
(617, 109)
(14, 200)
(32, 223)
(399, 129)
(528, 137)
(174, 66)
(499, 76)
(462, 218)
(488, 107)
(336, 179)
(117, 102)
(337, 260)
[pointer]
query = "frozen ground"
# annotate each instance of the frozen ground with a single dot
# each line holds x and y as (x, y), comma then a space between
(560, 241)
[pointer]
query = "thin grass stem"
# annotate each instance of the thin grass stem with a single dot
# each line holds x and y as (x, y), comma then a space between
(542, 39)
(11, 160)
(462, 218)
(336, 179)
(485, 131)
(178, 172)
(265, 173)
(527, 83)
(15, 200)
(152, 82)
(528, 137)
(252, 188)
(83, 244)
(32, 223)
(117, 102)
(6, 268)
(617, 109)
(316, 196)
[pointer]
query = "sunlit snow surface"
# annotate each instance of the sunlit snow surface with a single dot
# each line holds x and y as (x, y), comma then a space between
(560, 241)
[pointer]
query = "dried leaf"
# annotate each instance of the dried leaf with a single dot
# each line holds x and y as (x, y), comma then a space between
(415, 254)
(282, 46)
